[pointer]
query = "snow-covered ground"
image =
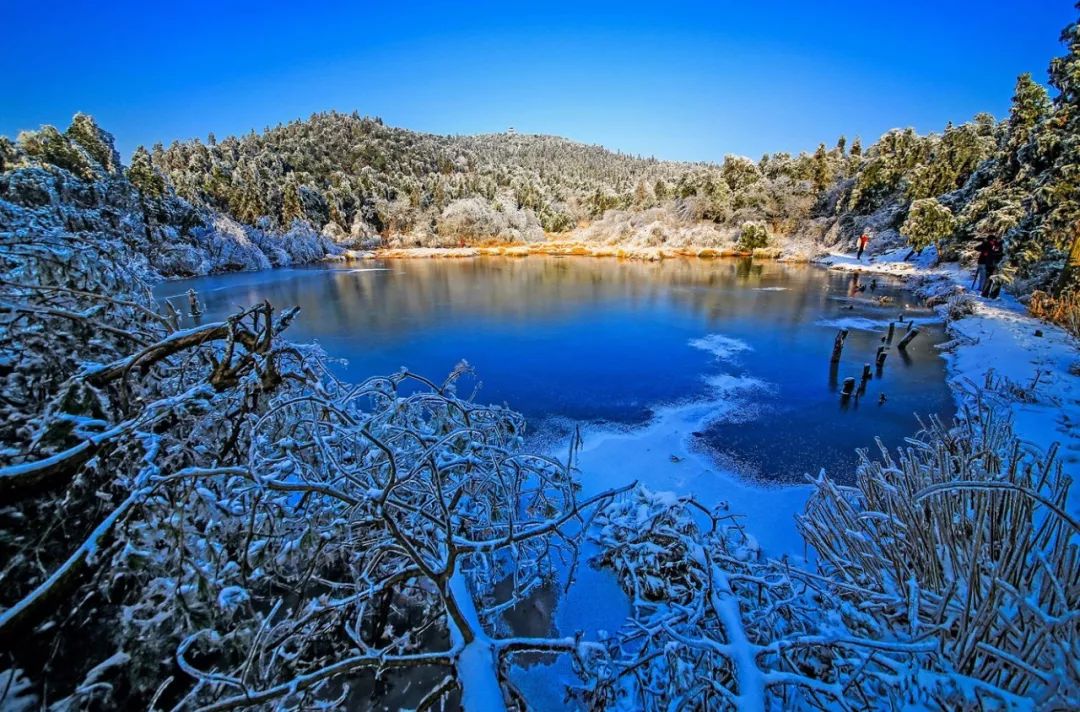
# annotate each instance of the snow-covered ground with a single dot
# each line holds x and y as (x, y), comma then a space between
(1038, 363)
(662, 456)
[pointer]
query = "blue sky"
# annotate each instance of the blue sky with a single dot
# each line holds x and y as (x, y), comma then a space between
(691, 81)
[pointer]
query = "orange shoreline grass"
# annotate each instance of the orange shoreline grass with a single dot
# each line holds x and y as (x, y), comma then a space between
(572, 249)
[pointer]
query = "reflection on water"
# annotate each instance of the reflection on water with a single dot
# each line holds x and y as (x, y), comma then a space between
(603, 339)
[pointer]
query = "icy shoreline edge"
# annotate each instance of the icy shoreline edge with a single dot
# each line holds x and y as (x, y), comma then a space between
(1038, 363)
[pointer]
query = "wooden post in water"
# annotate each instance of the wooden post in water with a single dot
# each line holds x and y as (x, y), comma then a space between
(882, 354)
(848, 389)
(838, 345)
(865, 377)
(907, 339)
(193, 303)
(892, 330)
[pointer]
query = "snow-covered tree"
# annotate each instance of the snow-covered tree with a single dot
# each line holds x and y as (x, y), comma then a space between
(928, 223)
(144, 176)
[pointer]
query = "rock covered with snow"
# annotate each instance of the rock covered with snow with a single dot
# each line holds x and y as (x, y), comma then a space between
(73, 182)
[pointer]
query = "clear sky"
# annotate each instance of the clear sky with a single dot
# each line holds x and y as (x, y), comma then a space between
(672, 79)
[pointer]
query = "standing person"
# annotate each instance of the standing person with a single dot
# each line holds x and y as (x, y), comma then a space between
(864, 240)
(983, 251)
(995, 252)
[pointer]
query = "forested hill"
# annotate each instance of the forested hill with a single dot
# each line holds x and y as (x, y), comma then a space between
(307, 188)
(340, 168)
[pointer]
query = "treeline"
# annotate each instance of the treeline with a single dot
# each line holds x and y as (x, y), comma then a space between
(360, 178)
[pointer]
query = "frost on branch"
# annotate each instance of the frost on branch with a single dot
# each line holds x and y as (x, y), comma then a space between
(714, 625)
(963, 539)
(228, 525)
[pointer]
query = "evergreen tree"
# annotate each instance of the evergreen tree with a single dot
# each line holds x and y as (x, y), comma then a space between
(292, 208)
(856, 148)
(928, 223)
(1030, 108)
(1060, 191)
(660, 189)
(821, 172)
(8, 153)
(144, 176)
(98, 143)
(49, 146)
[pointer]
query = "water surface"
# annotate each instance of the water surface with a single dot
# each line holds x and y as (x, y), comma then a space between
(596, 339)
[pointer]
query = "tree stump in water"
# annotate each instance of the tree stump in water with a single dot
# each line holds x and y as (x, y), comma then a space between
(865, 377)
(848, 389)
(193, 303)
(838, 345)
(907, 339)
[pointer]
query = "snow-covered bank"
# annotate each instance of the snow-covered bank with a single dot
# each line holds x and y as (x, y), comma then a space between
(663, 456)
(1035, 365)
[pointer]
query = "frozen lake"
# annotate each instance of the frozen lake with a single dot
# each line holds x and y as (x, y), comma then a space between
(616, 342)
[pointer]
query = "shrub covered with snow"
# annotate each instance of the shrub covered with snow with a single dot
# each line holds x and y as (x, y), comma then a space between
(963, 538)
(753, 235)
(474, 220)
(656, 227)
(228, 247)
(191, 508)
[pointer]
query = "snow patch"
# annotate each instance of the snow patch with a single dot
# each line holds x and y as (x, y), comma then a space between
(730, 386)
(232, 597)
(664, 455)
(861, 323)
(724, 348)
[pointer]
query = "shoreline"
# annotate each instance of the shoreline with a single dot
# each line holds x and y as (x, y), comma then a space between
(1034, 364)
(571, 248)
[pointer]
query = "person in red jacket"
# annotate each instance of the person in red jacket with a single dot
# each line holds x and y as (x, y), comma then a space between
(864, 240)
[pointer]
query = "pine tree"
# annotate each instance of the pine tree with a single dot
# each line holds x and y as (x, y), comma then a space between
(144, 176)
(292, 208)
(98, 143)
(1061, 191)
(8, 153)
(660, 190)
(928, 223)
(49, 146)
(821, 172)
(856, 148)
(1030, 107)
(841, 145)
